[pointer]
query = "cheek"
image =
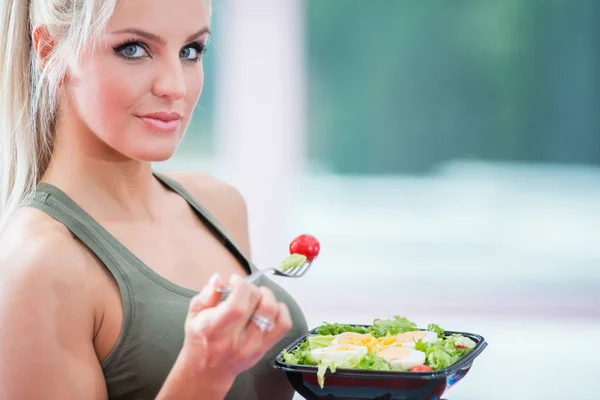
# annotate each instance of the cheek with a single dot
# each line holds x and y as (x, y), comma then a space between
(104, 95)
(194, 84)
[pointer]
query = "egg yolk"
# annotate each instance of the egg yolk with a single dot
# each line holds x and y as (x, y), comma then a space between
(381, 343)
(408, 337)
(342, 348)
(394, 353)
(358, 339)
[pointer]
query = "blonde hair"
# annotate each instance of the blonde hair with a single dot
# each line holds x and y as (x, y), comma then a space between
(29, 91)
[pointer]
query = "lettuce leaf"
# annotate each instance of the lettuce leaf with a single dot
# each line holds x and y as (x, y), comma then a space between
(463, 340)
(332, 365)
(300, 355)
(393, 326)
(351, 362)
(291, 261)
(335, 329)
(437, 358)
(317, 341)
(443, 353)
(437, 329)
(373, 363)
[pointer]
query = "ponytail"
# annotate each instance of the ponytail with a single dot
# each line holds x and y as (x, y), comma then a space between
(29, 92)
(18, 147)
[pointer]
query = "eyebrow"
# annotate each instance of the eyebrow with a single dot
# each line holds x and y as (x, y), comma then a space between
(158, 39)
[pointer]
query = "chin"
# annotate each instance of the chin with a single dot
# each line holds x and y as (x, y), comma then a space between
(152, 152)
(146, 146)
(153, 149)
(154, 156)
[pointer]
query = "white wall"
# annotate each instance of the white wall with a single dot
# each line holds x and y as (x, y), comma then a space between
(260, 112)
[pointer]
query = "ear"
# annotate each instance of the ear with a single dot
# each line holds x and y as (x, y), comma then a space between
(43, 43)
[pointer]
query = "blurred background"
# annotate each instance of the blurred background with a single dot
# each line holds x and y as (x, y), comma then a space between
(445, 153)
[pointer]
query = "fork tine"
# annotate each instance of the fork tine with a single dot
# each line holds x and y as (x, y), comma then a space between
(292, 271)
(297, 271)
(306, 267)
(301, 270)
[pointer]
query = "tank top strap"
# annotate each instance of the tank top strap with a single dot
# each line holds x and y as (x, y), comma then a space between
(59, 206)
(52, 201)
(209, 221)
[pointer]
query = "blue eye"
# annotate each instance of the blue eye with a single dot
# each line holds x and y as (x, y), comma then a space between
(134, 50)
(188, 52)
(131, 50)
(192, 52)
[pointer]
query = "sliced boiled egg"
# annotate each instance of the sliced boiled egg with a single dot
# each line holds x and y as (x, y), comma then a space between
(381, 343)
(339, 352)
(357, 339)
(402, 358)
(409, 339)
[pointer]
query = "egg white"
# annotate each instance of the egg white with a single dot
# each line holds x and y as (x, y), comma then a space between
(410, 339)
(338, 352)
(402, 358)
(347, 337)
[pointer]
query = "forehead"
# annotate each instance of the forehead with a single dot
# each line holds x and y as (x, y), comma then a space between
(167, 18)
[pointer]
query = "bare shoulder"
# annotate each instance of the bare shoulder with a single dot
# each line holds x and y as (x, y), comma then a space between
(221, 199)
(45, 312)
(36, 250)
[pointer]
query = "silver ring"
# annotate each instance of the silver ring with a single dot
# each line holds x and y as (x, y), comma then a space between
(263, 323)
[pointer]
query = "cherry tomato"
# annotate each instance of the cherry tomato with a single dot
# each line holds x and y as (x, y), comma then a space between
(307, 245)
(461, 346)
(421, 368)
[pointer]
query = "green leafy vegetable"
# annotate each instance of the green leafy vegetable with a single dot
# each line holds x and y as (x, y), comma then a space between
(316, 341)
(300, 355)
(291, 261)
(373, 363)
(437, 329)
(381, 327)
(441, 354)
(336, 329)
(324, 365)
(368, 362)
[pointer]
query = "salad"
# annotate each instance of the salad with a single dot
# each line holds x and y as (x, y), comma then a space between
(388, 345)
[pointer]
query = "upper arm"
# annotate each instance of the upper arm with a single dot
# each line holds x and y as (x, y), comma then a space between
(222, 200)
(46, 324)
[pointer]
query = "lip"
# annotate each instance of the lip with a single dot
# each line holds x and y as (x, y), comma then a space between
(163, 116)
(161, 121)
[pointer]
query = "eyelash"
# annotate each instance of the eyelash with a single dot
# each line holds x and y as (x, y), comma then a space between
(198, 46)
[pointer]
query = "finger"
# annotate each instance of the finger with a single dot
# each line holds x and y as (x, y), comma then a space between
(208, 297)
(268, 310)
(282, 326)
(203, 326)
(239, 306)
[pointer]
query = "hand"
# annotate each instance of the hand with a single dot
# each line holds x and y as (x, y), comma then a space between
(221, 340)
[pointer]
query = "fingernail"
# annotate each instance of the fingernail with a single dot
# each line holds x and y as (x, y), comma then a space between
(213, 279)
(205, 289)
(234, 278)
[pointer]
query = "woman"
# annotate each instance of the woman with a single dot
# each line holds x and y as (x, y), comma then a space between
(105, 266)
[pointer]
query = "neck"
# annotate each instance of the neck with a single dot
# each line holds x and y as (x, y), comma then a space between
(107, 184)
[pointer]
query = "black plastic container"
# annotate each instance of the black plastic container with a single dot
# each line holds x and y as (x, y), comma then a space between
(352, 384)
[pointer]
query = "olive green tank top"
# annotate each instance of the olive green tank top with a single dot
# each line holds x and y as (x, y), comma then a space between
(154, 308)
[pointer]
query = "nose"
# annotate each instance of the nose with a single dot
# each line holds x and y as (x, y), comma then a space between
(170, 81)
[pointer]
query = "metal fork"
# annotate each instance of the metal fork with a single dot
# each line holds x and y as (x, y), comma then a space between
(293, 272)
